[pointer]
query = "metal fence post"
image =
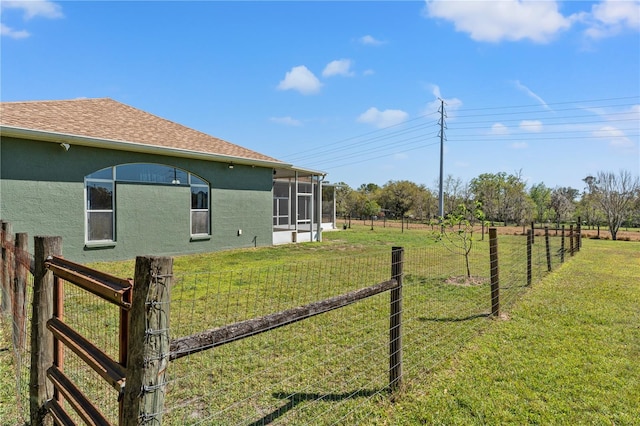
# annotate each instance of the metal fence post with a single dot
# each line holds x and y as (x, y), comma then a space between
(548, 247)
(40, 389)
(562, 246)
(395, 325)
(148, 355)
(495, 276)
(529, 266)
(571, 246)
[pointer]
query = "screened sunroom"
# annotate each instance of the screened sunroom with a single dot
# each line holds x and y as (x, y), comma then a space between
(302, 206)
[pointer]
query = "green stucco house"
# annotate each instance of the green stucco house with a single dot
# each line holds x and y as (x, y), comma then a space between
(116, 182)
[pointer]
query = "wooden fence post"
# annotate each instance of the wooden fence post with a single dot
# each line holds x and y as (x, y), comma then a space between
(395, 324)
(20, 290)
(548, 247)
(148, 357)
(495, 276)
(6, 243)
(562, 246)
(579, 236)
(529, 255)
(40, 389)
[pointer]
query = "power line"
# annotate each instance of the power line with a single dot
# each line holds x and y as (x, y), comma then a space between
(411, 135)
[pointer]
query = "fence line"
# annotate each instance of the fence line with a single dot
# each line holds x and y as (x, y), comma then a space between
(327, 369)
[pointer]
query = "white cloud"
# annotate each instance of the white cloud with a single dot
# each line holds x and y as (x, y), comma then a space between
(10, 32)
(450, 104)
(617, 138)
(29, 9)
(338, 67)
(287, 121)
(381, 119)
(534, 126)
(370, 40)
(32, 9)
(519, 145)
(612, 16)
(530, 93)
(368, 72)
(302, 80)
(495, 21)
(499, 129)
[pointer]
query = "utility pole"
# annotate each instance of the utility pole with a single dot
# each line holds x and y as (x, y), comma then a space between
(442, 127)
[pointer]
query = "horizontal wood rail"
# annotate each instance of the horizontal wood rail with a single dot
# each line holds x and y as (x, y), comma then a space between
(107, 368)
(85, 409)
(198, 342)
(110, 288)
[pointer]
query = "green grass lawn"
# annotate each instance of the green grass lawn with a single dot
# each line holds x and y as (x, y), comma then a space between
(568, 354)
(564, 353)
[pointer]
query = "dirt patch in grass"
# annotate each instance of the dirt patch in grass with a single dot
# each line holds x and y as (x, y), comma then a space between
(465, 281)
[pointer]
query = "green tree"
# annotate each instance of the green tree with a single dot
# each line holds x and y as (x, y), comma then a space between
(368, 188)
(370, 209)
(503, 196)
(425, 204)
(541, 197)
(487, 188)
(398, 197)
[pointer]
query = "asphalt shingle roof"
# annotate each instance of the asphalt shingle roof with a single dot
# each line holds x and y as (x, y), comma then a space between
(105, 118)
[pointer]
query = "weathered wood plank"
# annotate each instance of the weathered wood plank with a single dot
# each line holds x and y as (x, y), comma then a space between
(41, 337)
(148, 355)
(19, 292)
(198, 342)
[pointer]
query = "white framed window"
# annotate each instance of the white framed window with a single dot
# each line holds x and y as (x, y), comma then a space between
(99, 206)
(199, 206)
(100, 197)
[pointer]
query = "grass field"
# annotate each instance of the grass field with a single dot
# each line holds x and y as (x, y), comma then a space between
(568, 354)
(573, 330)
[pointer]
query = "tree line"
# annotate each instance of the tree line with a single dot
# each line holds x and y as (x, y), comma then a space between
(611, 199)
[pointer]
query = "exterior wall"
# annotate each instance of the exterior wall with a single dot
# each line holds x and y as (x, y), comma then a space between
(42, 193)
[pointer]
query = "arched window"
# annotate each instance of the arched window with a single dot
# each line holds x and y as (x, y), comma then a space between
(100, 196)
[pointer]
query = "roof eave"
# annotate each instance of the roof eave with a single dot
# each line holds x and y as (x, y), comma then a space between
(56, 137)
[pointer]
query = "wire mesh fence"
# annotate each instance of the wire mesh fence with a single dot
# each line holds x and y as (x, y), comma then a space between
(328, 369)
(20, 358)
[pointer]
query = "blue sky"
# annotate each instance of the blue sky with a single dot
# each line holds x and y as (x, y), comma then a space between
(548, 89)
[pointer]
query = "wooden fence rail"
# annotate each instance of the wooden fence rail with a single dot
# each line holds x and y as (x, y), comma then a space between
(209, 339)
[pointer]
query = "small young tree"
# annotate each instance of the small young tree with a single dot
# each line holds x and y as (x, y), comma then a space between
(457, 231)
